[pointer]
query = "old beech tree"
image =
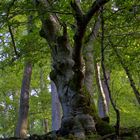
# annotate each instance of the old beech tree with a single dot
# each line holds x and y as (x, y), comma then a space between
(79, 114)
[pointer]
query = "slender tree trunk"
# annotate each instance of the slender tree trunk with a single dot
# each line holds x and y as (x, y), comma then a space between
(117, 127)
(22, 124)
(56, 108)
(102, 102)
(21, 129)
(105, 88)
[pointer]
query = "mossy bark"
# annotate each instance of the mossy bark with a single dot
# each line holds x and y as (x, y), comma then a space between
(74, 100)
(78, 111)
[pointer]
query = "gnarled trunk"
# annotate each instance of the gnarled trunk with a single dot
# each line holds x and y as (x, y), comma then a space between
(67, 66)
(75, 103)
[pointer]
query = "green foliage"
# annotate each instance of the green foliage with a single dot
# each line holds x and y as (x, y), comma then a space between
(40, 100)
(125, 101)
(122, 28)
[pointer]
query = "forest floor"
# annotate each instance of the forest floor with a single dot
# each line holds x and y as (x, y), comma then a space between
(132, 133)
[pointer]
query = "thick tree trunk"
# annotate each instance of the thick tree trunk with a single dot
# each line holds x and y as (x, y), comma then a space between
(56, 108)
(75, 103)
(22, 124)
(89, 67)
(67, 67)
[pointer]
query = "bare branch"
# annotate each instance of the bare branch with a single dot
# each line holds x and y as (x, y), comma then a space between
(82, 21)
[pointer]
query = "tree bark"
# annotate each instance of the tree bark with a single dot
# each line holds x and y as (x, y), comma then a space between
(22, 124)
(56, 108)
(102, 102)
(76, 118)
(67, 68)
(105, 88)
(91, 70)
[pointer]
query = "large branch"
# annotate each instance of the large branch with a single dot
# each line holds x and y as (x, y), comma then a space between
(79, 34)
(49, 21)
(82, 21)
(77, 11)
(95, 30)
(94, 8)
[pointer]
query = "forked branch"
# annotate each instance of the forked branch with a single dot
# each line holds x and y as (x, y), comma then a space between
(93, 9)
(82, 21)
